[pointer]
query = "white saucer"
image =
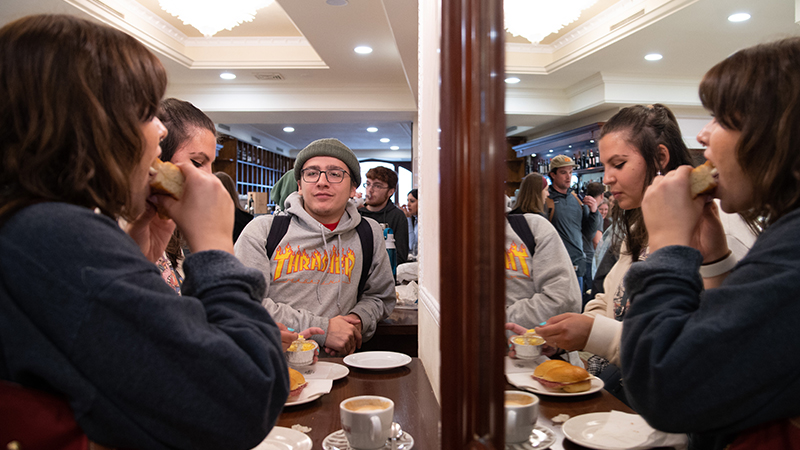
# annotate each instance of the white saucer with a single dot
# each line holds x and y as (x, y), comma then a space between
(541, 438)
(281, 438)
(377, 360)
(337, 441)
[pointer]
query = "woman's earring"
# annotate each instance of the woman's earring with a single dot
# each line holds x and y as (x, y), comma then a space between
(658, 173)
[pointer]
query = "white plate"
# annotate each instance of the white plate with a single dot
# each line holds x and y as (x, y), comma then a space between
(523, 380)
(581, 430)
(338, 441)
(335, 371)
(281, 438)
(377, 360)
(304, 399)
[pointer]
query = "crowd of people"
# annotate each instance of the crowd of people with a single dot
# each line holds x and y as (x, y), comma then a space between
(136, 312)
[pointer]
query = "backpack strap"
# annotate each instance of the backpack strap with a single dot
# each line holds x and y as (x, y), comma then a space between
(280, 224)
(551, 206)
(367, 248)
(577, 198)
(523, 230)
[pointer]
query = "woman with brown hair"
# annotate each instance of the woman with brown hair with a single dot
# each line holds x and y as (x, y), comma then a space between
(532, 192)
(694, 359)
(85, 317)
(540, 279)
(636, 144)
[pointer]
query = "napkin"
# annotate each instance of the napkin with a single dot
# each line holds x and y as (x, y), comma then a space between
(630, 431)
(315, 388)
(523, 365)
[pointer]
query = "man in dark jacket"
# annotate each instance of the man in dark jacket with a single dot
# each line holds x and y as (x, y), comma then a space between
(381, 184)
(571, 217)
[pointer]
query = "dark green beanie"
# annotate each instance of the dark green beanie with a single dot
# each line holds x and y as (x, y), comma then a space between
(333, 148)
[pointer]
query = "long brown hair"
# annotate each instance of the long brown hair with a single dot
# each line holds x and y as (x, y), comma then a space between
(645, 128)
(757, 91)
(73, 97)
(529, 199)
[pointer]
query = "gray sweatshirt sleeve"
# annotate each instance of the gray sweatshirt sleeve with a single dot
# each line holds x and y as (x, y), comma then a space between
(555, 285)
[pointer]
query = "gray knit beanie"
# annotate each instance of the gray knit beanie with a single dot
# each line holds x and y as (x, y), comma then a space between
(333, 148)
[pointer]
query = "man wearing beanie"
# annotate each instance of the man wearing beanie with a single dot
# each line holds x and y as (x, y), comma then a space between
(314, 274)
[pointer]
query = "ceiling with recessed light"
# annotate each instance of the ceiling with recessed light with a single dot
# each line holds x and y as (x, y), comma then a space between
(295, 64)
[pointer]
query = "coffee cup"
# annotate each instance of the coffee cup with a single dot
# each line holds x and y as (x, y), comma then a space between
(522, 412)
(367, 421)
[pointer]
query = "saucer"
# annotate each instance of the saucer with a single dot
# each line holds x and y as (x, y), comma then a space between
(541, 438)
(337, 441)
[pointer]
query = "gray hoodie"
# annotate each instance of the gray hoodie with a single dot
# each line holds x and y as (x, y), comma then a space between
(539, 286)
(303, 289)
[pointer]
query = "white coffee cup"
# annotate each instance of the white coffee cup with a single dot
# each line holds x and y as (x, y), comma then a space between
(367, 421)
(522, 412)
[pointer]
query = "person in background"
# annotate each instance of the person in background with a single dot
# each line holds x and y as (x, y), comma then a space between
(603, 208)
(282, 189)
(86, 318)
(313, 274)
(410, 211)
(241, 217)
(635, 144)
(699, 321)
(592, 237)
(192, 138)
(381, 184)
(540, 280)
(530, 199)
(571, 217)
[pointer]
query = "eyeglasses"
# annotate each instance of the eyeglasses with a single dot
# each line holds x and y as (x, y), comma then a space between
(334, 176)
(375, 186)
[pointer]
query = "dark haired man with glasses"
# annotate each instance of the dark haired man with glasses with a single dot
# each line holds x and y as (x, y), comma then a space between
(381, 184)
(314, 255)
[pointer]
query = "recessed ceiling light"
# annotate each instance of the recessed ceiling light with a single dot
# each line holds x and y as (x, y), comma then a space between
(591, 141)
(533, 155)
(372, 130)
(653, 56)
(394, 147)
(551, 151)
(227, 76)
(363, 49)
(512, 80)
(385, 140)
(288, 129)
(739, 17)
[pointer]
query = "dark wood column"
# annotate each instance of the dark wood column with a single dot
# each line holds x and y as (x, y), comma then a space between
(472, 224)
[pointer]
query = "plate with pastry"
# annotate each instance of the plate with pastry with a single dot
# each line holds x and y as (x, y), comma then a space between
(557, 378)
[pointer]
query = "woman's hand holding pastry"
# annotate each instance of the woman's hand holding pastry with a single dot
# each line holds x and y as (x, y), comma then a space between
(205, 211)
(670, 213)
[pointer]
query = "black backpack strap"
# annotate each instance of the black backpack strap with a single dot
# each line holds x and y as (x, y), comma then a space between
(523, 230)
(280, 224)
(367, 248)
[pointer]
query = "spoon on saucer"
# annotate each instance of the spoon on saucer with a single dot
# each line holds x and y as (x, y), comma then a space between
(395, 434)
